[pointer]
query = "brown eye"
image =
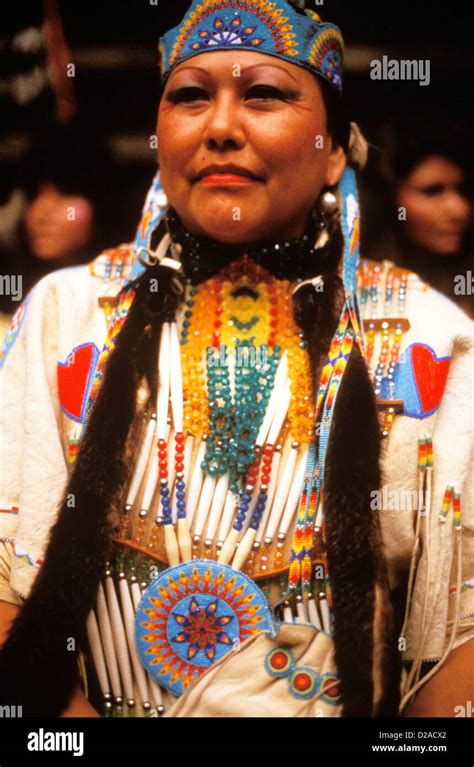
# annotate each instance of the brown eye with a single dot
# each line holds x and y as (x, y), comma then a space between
(265, 92)
(433, 190)
(186, 94)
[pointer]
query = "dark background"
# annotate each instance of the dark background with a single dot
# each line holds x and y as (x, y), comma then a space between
(119, 83)
(125, 86)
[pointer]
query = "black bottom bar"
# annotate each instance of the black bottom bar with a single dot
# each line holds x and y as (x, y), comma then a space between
(394, 741)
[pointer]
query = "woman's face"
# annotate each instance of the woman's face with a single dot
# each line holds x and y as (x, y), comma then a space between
(262, 114)
(57, 225)
(437, 210)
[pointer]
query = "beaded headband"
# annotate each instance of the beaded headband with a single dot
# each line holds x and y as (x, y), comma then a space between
(274, 28)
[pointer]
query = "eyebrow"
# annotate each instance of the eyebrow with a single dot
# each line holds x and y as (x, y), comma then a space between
(247, 69)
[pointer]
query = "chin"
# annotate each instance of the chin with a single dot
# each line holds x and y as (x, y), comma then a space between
(46, 255)
(231, 238)
(448, 250)
(222, 227)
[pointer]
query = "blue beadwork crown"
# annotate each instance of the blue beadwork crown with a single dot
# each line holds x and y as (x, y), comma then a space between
(274, 28)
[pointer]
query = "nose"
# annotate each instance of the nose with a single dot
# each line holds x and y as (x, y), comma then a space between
(224, 127)
(46, 199)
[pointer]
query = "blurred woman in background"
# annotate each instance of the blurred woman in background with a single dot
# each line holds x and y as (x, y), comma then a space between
(71, 205)
(429, 229)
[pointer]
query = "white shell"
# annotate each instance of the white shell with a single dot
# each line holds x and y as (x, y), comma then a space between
(129, 620)
(120, 640)
(93, 636)
(108, 643)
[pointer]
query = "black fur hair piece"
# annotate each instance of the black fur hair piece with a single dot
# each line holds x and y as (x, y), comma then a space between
(352, 473)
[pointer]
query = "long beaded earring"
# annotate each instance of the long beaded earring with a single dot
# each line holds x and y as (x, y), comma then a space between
(326, 215)
(154, 225)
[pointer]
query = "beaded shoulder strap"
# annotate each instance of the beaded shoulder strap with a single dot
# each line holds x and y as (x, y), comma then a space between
(331, 378)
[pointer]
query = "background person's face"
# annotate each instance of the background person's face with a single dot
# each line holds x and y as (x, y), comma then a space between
(271, 120)
(438, 211)
(57, 225)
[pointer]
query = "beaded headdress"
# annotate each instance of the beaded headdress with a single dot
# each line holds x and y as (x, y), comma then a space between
(274, 28)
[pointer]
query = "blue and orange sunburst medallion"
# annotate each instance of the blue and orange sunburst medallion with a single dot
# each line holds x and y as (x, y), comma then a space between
(223, 34)
(193, 614)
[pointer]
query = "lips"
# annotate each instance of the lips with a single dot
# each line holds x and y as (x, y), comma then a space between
(229, 171)
(225, 179)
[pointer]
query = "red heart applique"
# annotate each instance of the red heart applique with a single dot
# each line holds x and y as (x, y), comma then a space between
(430, 374)
(73, 379)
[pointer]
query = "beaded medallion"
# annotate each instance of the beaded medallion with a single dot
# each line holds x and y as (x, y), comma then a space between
(193, 614)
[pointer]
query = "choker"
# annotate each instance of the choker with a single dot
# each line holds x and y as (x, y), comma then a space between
(203, 257)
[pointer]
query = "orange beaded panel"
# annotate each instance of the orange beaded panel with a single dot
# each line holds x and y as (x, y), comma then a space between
(244, 302)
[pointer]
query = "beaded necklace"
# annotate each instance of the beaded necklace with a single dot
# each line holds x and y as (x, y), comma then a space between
(232, 321)
(228, 416)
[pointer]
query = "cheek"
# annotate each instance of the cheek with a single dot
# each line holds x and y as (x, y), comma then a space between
(83, 210)
(177, 152)
(464, 209)
(177, 141)
(293, 149)
(74, 221)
